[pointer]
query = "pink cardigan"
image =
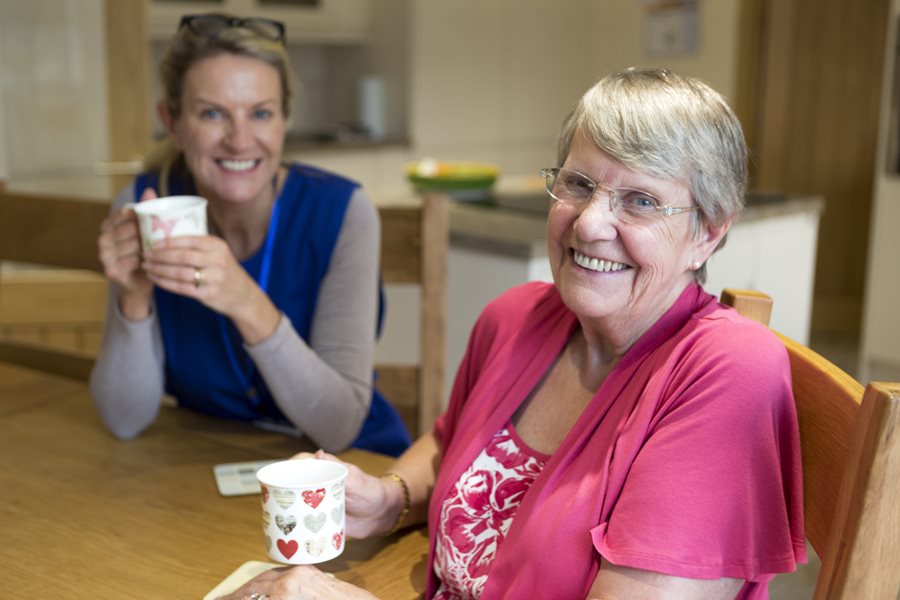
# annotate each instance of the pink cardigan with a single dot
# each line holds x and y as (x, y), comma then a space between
(686, 462)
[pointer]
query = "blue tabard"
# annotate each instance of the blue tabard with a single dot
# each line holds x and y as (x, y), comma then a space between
(206, 366)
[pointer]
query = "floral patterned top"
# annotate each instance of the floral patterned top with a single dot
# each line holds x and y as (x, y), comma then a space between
(478, 512)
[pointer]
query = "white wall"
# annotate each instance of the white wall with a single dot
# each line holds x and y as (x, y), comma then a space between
(619, 41)
(53, 84)
(493, 80)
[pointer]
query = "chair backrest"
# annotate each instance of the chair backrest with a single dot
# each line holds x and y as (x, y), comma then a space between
(52, 232)
(414, 248)
(850, 442)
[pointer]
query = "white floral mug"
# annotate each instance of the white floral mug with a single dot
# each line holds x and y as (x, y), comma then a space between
(303, 510)
(169, 216)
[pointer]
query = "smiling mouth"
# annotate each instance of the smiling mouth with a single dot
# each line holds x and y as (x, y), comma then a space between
(238, 166)
(597, 264)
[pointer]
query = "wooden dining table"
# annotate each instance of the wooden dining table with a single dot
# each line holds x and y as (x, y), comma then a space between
(85, 515)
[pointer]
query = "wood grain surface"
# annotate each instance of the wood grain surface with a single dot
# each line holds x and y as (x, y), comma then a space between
(85, 515)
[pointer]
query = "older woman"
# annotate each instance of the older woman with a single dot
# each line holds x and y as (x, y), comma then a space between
(272, 317)
(619, 434)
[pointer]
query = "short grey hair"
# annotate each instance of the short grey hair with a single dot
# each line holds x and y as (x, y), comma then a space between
(670, 126)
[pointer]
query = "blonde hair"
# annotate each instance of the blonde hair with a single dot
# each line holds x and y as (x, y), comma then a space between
(185, 49)
(669, 126)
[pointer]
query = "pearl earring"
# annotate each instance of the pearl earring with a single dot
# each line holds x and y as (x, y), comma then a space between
(695, 265)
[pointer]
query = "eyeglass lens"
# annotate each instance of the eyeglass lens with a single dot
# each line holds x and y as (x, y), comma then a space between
(573, 187)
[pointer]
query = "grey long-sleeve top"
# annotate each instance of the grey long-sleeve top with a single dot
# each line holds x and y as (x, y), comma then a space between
(324, 387)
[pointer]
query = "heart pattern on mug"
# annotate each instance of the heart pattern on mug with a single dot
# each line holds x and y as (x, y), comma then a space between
(267, 518)
(286, 524)
(314, 522)
(337, 490)
(314, 546)
(264, 491)
(288, 548)
(285, 498)
(337, 513)
(313, 498)
(337, 539)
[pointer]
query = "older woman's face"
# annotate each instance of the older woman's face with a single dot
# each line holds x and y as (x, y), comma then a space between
(231, 128)
(640, 269)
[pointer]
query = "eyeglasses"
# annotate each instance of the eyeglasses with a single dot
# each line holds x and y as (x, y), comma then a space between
(213, 24)
(627, 204)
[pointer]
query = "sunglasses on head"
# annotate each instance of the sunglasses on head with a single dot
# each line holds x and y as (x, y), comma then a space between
(212, 25)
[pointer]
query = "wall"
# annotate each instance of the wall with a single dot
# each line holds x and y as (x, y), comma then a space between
(53, 85)
(618, 41)
(4, 170)
(880, 343)
(493, 80)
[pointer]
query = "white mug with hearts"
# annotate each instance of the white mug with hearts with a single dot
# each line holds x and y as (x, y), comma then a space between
(303, 510)
(170, 216)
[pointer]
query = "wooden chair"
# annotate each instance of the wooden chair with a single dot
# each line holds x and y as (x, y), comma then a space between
(54, 232)
(850, 443)
(414, 249)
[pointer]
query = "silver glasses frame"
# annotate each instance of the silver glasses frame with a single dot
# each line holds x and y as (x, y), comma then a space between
(550, 174)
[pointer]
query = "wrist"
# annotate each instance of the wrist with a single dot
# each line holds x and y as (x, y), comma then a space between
(401, 502)
(134, 306)
(257, 321)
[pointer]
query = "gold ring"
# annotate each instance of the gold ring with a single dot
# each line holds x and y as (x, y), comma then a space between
(199, 278)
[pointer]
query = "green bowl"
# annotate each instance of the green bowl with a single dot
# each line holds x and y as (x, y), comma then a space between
(454, 177)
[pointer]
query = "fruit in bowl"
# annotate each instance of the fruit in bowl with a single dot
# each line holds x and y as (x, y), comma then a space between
(463, 180)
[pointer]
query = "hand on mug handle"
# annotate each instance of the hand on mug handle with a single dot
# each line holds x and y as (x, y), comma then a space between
(119, 246)
(364, 498)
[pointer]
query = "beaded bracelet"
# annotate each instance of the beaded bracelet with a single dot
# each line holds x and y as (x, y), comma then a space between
(401, 518)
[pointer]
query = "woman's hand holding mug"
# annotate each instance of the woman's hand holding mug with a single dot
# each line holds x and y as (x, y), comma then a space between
(119, 247)
(366, 500)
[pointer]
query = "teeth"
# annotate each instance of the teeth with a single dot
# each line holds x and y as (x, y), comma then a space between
(597, 264)
(238, 165)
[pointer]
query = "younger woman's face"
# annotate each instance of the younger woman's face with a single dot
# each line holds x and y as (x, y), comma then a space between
(231, 127)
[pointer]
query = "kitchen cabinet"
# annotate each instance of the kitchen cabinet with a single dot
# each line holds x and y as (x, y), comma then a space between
(772, 249)
(319, 21)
